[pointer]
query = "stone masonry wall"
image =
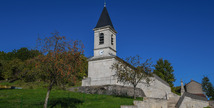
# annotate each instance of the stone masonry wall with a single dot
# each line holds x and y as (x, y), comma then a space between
(151, 103)
(194, 88)
(115, 90)
(192, 103)
(155, 89)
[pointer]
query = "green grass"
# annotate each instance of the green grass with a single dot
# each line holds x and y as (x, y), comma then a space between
(34, 98)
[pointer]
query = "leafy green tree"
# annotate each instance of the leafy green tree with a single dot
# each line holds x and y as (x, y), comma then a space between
(177, 90)
(1, 70)
(29, 73)
(24, 54)
(165, 71)
(2, 58)
(10, 55)
(12, 69)
(208, 87)
(7, 56)
(83, 69)
(13, 64)
(2, 55)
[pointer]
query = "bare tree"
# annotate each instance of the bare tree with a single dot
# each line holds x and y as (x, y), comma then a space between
(132, 71)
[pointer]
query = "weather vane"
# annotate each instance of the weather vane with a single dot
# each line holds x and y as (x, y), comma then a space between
(104, 3)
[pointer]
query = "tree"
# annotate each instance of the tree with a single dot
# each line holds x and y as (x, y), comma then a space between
(13, 64)
(132, 71)
(25, 54)
(2, 55)
(1, 70)
(12, 69)
(83, 69)
(60, 60)
(208, 88)
(165, 71)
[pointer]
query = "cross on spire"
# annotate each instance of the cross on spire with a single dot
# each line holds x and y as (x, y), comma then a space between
(104, 3)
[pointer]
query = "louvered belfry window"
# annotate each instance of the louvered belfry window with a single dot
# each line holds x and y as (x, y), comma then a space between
(101, 38)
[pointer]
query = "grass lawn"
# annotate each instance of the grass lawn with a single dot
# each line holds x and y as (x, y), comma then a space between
(34, 98)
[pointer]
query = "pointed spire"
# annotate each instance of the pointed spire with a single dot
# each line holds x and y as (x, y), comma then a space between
(104, 19)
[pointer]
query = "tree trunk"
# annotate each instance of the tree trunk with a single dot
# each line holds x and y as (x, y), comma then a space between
(134, 92)
(48, 93)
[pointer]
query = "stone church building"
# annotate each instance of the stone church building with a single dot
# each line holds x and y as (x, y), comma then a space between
(99, 66)
(158, 94)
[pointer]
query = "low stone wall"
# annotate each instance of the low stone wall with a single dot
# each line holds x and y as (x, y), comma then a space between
(151, 103)
(128, 106)
(115, 90)
(193, 103)
(211, 103)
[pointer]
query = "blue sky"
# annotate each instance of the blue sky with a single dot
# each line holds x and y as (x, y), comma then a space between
(181, 31)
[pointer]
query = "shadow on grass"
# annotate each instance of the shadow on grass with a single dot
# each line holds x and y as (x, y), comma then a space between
(64, 102)
(5, 89)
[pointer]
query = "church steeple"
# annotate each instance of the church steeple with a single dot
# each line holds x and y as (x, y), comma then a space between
(104, 19)
(104, 36)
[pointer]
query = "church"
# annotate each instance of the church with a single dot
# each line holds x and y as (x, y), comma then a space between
(158, 94)
(105, 55)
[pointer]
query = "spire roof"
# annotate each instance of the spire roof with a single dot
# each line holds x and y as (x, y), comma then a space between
(104, 19)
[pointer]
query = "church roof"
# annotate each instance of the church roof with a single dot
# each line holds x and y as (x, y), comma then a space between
(104, 19)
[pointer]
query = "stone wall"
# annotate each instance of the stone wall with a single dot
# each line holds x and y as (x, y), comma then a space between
(173, 97)
(156, 89)
(193, 103)
(115, 90)
(194, 88)
(151, 103)
(100, 72)
(211, 103)
(128, 106)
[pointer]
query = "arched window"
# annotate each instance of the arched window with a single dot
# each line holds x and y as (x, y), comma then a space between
(101, 38)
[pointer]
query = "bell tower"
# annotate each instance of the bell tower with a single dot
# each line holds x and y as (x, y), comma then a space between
(99, 66)
(104, 36)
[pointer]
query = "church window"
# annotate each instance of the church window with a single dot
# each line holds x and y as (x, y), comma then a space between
(112, 40)
(101, 38)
